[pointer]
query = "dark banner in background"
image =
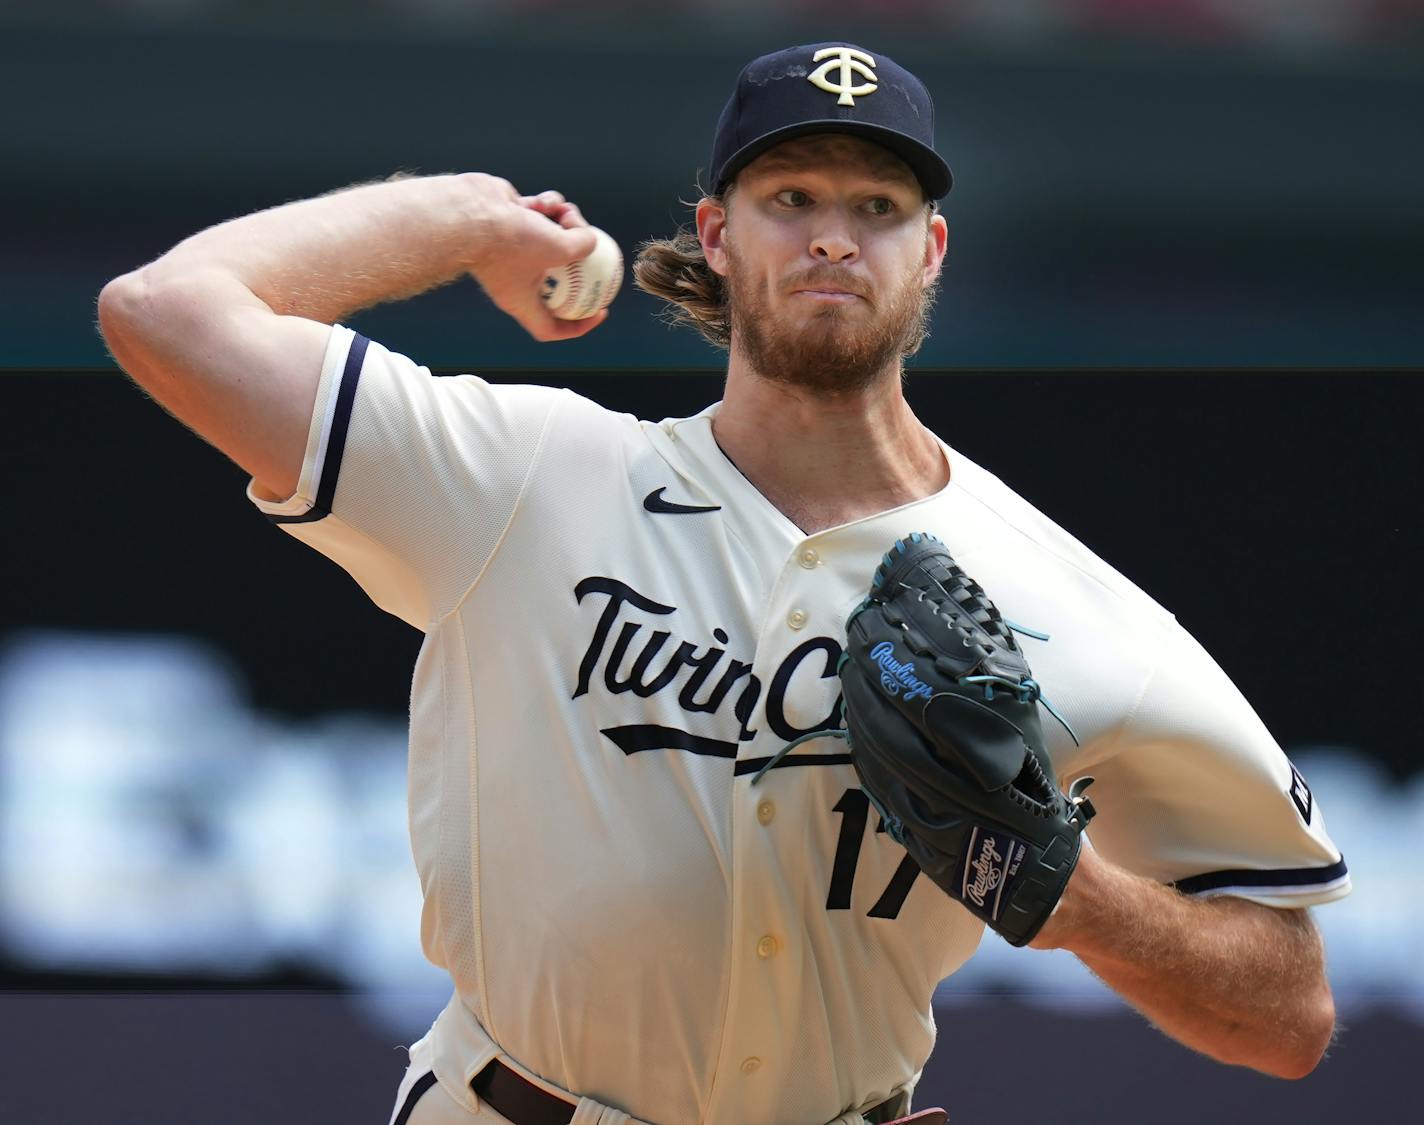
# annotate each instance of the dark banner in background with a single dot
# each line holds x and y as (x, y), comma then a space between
(1277, 515)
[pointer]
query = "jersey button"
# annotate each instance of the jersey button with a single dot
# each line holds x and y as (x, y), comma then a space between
(796, 618)
(751, 1065)
(766, 812)
(809, 559)
(767, 947)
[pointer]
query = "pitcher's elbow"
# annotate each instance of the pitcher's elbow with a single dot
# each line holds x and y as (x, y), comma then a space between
(1313, 1037)
(120, 306)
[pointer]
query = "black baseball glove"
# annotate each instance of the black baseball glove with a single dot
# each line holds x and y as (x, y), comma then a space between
(943, 724)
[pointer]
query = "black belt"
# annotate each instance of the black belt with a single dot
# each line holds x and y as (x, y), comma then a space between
(513, 1096)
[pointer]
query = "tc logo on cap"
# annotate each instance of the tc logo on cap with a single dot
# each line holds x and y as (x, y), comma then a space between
(770, 104)
(849, 62)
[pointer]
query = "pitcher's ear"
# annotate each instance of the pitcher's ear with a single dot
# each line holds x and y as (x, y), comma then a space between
(712, 231)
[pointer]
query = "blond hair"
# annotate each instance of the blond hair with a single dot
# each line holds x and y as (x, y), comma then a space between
(676, 270)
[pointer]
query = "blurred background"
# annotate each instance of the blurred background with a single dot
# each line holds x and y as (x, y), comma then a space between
(1185, 281)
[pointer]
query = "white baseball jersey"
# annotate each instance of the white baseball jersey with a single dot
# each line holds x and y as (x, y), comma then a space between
(619, 631)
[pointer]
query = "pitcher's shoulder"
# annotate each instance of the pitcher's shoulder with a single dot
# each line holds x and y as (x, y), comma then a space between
(1051, 543)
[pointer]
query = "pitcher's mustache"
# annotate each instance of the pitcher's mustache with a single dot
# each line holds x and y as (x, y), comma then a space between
(829, 278)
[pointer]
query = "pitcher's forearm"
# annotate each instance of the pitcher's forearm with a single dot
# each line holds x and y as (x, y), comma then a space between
(328, 257)
(1240, 982)
(230, 328)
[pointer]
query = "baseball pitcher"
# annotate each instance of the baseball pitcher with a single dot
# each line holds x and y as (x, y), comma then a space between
(731, 734)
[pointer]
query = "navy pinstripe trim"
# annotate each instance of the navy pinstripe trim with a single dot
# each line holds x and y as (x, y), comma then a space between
(330, 468)
(423, 1083)
(1281, 878)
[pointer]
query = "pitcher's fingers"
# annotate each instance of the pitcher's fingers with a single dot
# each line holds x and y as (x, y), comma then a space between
(572, 329)
(572, 216)
(565, 214)
(577, 242)
(545, 327)
(545, 202)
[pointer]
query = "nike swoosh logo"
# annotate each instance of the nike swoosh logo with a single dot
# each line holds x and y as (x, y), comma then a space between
(654, 502)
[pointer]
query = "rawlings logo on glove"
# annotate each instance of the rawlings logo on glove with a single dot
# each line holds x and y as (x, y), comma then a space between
(941, 714)
(895, 677)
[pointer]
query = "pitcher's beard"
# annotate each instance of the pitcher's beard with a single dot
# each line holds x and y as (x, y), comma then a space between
(836, 350)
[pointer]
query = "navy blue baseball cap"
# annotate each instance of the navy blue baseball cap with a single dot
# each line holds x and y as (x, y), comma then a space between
(828, 88)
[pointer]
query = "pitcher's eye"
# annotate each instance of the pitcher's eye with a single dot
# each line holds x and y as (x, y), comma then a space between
(793, 198)
(881, 206)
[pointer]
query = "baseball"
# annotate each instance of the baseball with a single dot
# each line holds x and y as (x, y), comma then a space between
(578, 290)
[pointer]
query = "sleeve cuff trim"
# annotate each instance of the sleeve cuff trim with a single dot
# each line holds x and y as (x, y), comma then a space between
(330, 468)
(1282, 880)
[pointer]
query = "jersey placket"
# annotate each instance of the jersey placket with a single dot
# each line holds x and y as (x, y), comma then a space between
(769, 840)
